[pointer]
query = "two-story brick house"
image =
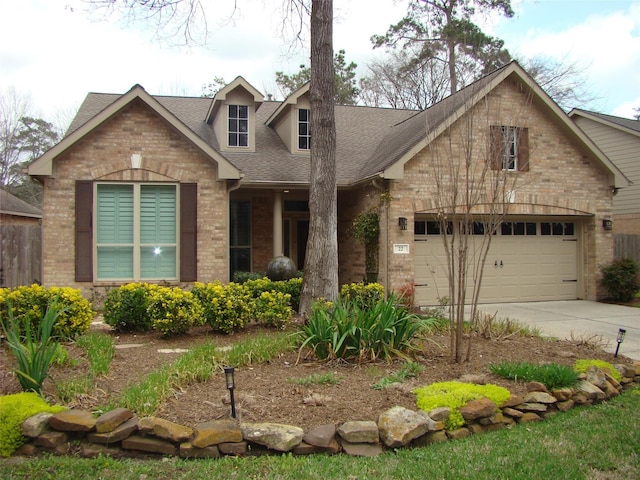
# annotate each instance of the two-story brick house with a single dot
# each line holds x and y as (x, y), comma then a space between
(179, 189)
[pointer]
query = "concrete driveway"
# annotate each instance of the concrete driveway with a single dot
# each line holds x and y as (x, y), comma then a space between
(563, 319)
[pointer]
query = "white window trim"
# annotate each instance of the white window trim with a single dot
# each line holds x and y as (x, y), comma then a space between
(248, 133)
(509, 140)
(298, 135)
(136, 234)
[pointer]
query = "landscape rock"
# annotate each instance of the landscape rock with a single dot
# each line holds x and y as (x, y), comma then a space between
(512, 401)
(529, 417)
(165, 429)
(321, 436)
(565, 405)
(482, 407)
(596, 376)
(431, 437)
(512, 412)
(274, 436)
(361, 449)
(217, 431)
(359, 431)
(458, 433)
(440, 414)
(562, 394)
(149, 444)
(539, 397)
(110, 420)
(398, 426)
(233, 448)
(532, 407)
(118, 434)
(590, 390)
(51, 439)
(188, 450)
(72, 421)
(36, 425)
(535, 387)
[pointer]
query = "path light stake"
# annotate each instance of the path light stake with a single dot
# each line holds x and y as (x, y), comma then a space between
(231, 385)
(621, 333)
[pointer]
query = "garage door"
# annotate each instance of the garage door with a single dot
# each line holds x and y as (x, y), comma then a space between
(527, 261)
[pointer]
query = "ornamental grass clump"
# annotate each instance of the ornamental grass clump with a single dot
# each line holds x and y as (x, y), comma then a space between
(552, 375)
(34, 348)
(582, 365)
(455, 395)
(14, 410)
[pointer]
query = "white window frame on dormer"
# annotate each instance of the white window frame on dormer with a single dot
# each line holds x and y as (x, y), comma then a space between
(304, 129)
(236, 133)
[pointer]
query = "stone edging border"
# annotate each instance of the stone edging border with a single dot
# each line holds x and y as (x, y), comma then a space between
(119, 433)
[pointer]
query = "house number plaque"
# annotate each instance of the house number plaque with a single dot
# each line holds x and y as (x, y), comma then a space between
(402, 248)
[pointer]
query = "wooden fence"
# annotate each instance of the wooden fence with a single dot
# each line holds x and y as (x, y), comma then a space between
(627, 246)
(20, 255)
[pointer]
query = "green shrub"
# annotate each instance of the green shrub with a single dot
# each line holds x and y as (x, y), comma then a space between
(346, 330)
(14, 410)
(620, 279)
(226, 307)
(125, 308)
(292, 287)
(272, 308)
(242, 277)
(34, 348)
(582, 365)
(30, 303)
(455, 395)
(172, 310)
(364, 295)
(552, 375)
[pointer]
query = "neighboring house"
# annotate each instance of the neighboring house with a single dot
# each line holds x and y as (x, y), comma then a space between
(178, 190)
(619, 140)
(20, 242)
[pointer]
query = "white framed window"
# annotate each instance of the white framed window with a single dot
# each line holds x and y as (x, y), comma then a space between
(509, 148)
(304, 130)
(238, 126)
(136, 227)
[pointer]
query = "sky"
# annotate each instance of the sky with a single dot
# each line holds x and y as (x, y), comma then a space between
(55, 52)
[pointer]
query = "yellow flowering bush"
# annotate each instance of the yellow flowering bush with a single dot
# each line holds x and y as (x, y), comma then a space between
(226, 307)
(292, 287)
(29, 303)
(365, 295)
(125, 308)
(582, 365)
(272, 308)
(172, 310)
(455, 395)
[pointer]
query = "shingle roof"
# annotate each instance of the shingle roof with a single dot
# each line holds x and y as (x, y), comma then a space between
(11, 205)
(619, 121)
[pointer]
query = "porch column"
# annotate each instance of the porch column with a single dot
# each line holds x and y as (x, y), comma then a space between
(277, 224)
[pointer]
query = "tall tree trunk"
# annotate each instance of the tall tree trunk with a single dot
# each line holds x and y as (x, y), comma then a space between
(321, 262)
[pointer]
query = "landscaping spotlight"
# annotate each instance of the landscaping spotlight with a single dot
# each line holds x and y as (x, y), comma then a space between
(231, 385)
(621, 334)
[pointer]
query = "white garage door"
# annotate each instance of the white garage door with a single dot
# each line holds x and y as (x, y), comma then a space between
(527, 261)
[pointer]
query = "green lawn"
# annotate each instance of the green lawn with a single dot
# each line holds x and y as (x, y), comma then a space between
(599, 442)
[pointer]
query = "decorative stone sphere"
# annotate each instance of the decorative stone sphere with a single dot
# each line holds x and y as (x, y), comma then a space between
(281, 268)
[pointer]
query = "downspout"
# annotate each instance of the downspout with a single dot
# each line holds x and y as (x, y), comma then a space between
(378, 184)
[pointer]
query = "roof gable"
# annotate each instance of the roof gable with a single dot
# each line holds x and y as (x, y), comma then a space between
(43, 166)
(239, 83)
(12, 205)
(287, 103)
(405, 140)
(626, 125)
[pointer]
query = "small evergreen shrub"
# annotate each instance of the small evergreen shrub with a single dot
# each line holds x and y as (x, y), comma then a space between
(552, 375)
(173, 311)
(243, 277)
(291, 287)
(363, 295)
(455, 395)
(620, 279)
(226, 307)
(582, 365)
(14, 410)
(30, 303)
(272, 309)
(125, 308)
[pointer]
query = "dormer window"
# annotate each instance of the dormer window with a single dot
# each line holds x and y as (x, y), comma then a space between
(304, 132)
(238, 126)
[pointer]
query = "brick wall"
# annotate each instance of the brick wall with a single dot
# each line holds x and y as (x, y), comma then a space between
(561, 181)
(104, 155)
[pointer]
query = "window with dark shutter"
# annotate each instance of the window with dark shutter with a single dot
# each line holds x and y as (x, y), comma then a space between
(83, 233)
(509, 148)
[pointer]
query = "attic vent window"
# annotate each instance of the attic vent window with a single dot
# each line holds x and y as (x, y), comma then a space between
(238, 126)
(304, 133)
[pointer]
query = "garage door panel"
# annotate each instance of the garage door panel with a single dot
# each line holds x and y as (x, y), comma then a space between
(518, 268)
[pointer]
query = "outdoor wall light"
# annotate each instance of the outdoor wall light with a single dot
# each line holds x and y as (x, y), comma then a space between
(607, 224)
(231, 385)
(402, 221)
(621, 334)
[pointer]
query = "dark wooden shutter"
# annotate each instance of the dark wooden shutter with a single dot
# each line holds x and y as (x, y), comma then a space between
(523, 149)
(84, 234)
(496, 146)
(188, 232)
